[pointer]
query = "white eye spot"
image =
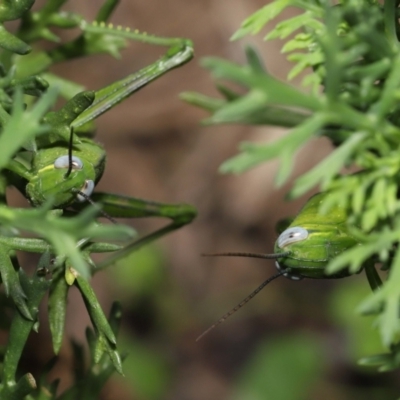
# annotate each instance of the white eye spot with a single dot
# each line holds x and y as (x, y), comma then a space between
(63, 162)
(86, 189)
(289, 275)
(292, 235)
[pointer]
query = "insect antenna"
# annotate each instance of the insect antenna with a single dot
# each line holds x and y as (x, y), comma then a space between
(70, 145)
(242, 303)
(102, 212)
(254, 255)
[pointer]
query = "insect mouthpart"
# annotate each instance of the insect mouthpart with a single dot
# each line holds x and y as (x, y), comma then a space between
(85, 191)
(288, 274)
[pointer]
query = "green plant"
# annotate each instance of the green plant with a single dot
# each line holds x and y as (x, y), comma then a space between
(51, 158)
(351, 50)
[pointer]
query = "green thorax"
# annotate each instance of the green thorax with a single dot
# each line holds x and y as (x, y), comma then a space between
(49, 183)
(310, 213)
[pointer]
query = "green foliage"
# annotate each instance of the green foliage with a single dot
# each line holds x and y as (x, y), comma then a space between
(351, 51)
(149, 371)
(267, 373)
(361, 339)
(33, 139)
(90, 381)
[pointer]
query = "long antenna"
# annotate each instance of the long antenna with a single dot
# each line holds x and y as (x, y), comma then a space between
(242, 303)
(70, 145)
(102, 212)
(254, 255)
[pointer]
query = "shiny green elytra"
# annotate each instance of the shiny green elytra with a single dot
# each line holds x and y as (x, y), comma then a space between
(49, 167)
(312, 240)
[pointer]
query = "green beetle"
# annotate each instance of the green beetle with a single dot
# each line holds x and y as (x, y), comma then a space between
(65, 175)
(304, 248)
(61, 166)
(312, 240)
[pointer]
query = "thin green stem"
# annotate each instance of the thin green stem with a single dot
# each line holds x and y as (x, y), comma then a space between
(389, 11)
(106, 10)
(373, 278)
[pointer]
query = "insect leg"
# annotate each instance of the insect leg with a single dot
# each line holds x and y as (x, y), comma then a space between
(373, 278)
(130, 207)
(179, 52)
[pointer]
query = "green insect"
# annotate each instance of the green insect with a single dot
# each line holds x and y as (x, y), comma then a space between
(63, 167)
(53, 160)
(305, 247)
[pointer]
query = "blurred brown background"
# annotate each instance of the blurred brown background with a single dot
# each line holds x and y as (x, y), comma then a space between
(157, 149)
